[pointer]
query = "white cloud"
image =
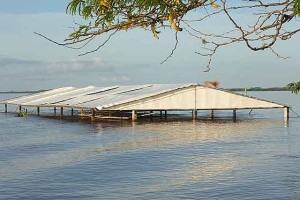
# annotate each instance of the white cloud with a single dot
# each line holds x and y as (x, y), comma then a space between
(95, 64)
(9, 61)
(26, 74)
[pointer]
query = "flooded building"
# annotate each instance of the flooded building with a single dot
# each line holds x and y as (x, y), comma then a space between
(132, 102)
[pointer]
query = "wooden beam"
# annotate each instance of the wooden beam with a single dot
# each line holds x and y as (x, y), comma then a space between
(61, 112)
(134, 115)
(38, 111)
(234, 115)
(93, 115)
(166, 115)
(194, 113)
(5, 107)
(286, 113)
(212, 114)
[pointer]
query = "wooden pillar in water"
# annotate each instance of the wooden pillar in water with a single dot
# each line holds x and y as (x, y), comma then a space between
(134, 115)
(54, 110)
(61, 112)
(160, 112)
(20, 108)
(212, 114)
(72, 112)
(286, 113)
(93, 115)
(151, 115)
(234, 115)
(166, 115)
(194, 113)
(5, 107)
(38, 111)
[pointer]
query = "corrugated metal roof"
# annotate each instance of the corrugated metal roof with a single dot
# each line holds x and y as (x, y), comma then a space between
(38, 96)
(126, 97)
(91, 96)
(108, 100)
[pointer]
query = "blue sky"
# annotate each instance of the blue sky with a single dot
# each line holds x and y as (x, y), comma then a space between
(28, 62)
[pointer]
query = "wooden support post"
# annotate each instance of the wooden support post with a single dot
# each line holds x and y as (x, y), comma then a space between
(20, 108)
(110, 113)
(234, 115)
(160, 115)
(212, 114)
(38, 111)
(93, 115)
(134, 115)
(72, 112)
(286, 113)
(61, 112)
(166, 115)
(151, 115)
(54, 110)
(194, 113)
(5, 108)
(81, 111)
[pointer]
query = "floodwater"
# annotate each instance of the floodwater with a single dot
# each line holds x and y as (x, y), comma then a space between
(256, 158)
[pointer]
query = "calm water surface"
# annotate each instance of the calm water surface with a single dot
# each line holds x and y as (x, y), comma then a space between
(256, 158)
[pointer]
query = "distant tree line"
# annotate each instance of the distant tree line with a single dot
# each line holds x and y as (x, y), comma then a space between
(261, 89)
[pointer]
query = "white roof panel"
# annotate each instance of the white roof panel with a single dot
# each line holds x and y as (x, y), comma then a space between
(139, 97)
(136, 95)
(50, 99)
(63, 98)
(24, 99)
(79, 100)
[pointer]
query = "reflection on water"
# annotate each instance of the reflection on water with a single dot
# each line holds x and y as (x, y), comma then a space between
(191, 174)
(143, 136)
(150, 135)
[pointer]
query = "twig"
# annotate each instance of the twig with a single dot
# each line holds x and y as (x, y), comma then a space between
(173, 50)
(92, 51)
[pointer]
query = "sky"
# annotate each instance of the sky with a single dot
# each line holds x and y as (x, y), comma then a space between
(29, 62)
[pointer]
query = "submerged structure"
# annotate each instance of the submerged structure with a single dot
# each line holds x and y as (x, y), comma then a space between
(131, 102)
